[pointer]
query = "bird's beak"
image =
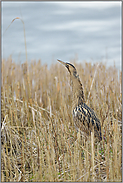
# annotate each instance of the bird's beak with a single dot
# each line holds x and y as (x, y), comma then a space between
(62, 62)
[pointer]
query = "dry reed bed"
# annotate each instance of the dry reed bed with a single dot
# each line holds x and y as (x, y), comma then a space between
(39, 141)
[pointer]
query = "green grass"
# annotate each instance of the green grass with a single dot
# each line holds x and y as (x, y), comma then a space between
(39, 140)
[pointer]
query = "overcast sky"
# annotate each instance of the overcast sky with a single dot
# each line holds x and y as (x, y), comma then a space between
(90, 30)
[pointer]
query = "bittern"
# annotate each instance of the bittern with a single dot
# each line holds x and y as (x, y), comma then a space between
(84, 117)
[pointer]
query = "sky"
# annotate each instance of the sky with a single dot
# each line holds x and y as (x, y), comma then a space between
(87, 31)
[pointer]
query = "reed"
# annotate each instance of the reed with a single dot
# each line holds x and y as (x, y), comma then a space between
(39, 140)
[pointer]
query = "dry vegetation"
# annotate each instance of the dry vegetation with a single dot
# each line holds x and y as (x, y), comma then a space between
(38, 138)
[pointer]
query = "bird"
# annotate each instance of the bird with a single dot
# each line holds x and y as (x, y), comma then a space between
(84, 117)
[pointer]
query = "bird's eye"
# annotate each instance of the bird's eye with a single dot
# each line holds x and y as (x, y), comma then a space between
(68, 67)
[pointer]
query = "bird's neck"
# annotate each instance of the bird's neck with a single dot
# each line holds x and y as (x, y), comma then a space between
(77, 91)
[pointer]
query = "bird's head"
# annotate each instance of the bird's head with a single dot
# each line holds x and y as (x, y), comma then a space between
(70, 67)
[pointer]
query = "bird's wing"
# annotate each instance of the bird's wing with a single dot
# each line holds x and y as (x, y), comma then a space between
(87, 118)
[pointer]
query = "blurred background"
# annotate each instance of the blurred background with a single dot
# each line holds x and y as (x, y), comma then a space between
(85, 31)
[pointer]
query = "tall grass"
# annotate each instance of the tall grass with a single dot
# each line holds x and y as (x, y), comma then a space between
(39, 140)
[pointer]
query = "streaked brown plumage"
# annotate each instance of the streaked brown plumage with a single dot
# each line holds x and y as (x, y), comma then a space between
(84, 117)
